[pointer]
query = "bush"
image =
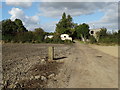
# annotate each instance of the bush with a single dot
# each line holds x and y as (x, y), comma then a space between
(57, 39)
(109, 40)
(67, 41)
(92, 39)
(48, 40)
(7, 38)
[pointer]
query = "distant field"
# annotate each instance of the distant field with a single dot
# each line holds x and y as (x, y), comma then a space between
(111, 50)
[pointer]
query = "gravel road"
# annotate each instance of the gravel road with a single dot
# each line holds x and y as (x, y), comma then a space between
(76, 66)
(87, 68)
(23, 63)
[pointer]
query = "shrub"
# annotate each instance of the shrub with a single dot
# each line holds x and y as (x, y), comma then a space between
(67, 41)
(109, 40)
(57, 39)
(48, 40)
(92, 39)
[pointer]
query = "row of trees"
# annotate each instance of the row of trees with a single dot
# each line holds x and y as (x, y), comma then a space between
(104, 37)
(107, 37)
(14, 31)
(81, 31)
(67, 26)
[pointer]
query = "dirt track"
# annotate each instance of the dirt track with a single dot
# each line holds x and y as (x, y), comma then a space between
(87, 68)
(25, 64)
(80, 66)
(111, 50)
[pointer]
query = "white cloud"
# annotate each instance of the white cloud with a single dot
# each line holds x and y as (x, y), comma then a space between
(20, 3)
(49, 26)
(78, 0)
(55, 9)
(63, 0)
(109, 20)
(30, 22)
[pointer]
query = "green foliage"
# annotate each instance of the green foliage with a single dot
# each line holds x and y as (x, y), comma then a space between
(118, 37)
(7, 38)
(108, 38)
(92, 39)
(39, 34)
(14, 31)
(82, 30)
(18, 22)
(102, 33)
(9, 27)
(20, 26)
(55, 39)
(24, 37)
(48, 40)
(65, 25)
(1, 25)
(67, 41)
(12, 27)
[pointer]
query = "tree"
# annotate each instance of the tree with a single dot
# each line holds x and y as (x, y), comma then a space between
(20, 25)
(0, 25)
(82, 31)
(118, 37)
(39, 31)
(65, 25)
(9, 27)
(39, 34)
(102, 33)
(18, 22)
(64, 16)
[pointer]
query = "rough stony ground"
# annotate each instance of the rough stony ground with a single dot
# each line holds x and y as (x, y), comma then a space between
(26, 65)
(111, 50)
(0, 65)
(76, 66)
(87, 68)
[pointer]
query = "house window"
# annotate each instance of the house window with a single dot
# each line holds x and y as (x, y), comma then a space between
(64, 36)
(92, 32)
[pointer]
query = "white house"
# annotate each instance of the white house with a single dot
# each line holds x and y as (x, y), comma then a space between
(49, 36)
(65, 37)
(94, 32)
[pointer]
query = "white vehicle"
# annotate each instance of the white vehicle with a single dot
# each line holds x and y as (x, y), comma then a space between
(49, 36)
(65, 37)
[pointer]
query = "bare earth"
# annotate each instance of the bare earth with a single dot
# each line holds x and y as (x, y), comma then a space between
(77, 66)
(111, 50)
(88, 68)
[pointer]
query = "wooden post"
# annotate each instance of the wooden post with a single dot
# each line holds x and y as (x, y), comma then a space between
(50, 53)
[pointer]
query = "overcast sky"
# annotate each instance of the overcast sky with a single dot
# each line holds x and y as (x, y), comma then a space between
(46, 14)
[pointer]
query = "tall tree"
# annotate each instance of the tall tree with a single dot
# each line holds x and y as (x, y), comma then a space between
(102, 33)
(9, 27)
(39, 34)
(64, 16)
(65, 25)
(82, 31)
(20, 25)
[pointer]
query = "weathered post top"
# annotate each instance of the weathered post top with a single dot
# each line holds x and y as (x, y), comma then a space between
(50, 53)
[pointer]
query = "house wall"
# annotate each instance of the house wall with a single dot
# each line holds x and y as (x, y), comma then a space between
(94, 32)
(65, 37)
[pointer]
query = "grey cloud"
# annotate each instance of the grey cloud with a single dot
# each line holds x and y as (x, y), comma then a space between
(23, 4)
(109, 20)
(55, 9)
(30, 22)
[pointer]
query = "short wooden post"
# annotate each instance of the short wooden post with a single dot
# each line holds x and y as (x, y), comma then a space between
(50, 53)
